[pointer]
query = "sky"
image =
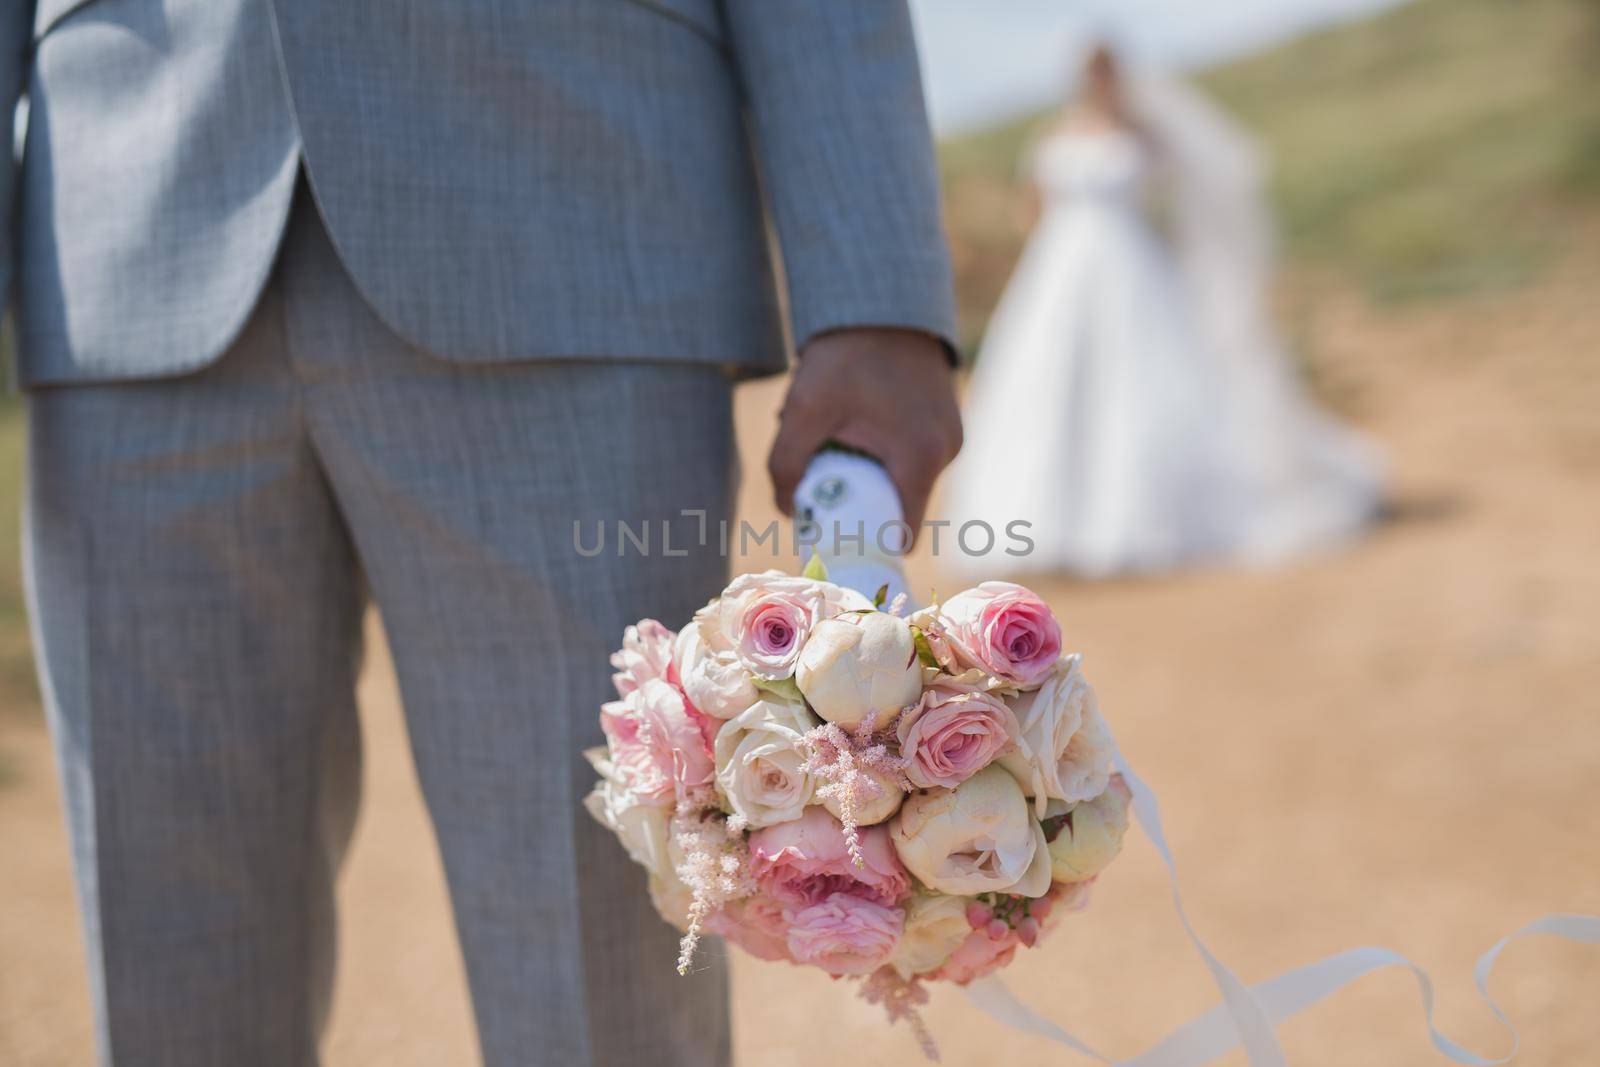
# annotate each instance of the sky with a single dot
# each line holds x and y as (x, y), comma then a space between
(984, 60)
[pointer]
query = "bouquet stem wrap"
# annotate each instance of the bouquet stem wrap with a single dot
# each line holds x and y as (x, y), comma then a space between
(848, 513)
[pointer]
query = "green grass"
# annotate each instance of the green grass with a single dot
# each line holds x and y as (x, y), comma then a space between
(1434, 150)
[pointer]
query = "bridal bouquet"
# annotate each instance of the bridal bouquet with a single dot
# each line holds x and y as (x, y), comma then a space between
(815, 778)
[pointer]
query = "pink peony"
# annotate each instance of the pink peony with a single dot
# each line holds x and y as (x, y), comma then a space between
(954, 731)
(645, 655)
(756, 924)
(1003, 630)
(658, 744)
(802, 862)
(977, 956)
(843, 934)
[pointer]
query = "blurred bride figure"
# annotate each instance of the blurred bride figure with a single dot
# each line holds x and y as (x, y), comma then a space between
(1130, 400)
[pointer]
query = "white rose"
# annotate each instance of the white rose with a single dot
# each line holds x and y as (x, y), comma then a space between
(935, 925)
(1063, 749)
(712, 678)
(857, 666)
(642, 828)
(980, 837)
(1090, 834)
(758, 762)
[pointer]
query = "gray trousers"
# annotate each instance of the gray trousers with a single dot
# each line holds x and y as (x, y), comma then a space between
(200, 552)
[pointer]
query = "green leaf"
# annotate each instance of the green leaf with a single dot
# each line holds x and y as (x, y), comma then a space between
(919, 641)
(816, 570)
(1053, 826)
(881, 595)
(782, 688)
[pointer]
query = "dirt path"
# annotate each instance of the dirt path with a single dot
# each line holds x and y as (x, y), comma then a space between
(1397, 745)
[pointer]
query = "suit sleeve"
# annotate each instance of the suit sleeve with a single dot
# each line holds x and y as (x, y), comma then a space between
(840, 132)
(16, 48)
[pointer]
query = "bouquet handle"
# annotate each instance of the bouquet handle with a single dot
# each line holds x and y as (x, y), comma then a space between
(847, 514)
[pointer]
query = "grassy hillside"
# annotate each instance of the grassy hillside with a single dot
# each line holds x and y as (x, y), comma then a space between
(1436, 149)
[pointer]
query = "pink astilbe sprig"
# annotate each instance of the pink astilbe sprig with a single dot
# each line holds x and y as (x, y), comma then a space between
(900, 997)
(714, 865)
(850, 768)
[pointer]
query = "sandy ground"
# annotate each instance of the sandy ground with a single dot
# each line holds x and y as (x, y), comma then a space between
(1397, 744)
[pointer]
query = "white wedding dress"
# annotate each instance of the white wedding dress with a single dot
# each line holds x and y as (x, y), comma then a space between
(1099, 414)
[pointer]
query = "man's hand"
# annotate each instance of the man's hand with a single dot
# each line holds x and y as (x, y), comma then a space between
(887, 392)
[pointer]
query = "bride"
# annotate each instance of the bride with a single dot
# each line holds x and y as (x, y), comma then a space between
(1130, 401)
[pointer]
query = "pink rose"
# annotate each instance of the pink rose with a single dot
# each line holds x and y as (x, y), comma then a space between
(977, 956)
(658, 744)
(804, 861)
(756, 924)
(953, 732)
(771, 633)
(646, 654)
(765, 618)
(1003, 630)
(843, 934)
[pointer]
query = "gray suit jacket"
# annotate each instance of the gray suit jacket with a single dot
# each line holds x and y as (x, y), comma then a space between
(504, 179)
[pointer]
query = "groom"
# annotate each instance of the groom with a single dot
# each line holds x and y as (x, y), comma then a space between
(323, 298)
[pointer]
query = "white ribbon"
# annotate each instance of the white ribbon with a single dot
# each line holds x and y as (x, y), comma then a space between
(856, 493)
(1248, 1015)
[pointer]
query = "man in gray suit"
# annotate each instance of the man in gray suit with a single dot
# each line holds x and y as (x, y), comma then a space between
(323, 297)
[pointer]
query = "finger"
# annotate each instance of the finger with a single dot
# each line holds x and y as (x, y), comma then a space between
(901, 457)
(802, 431)
(913, 477)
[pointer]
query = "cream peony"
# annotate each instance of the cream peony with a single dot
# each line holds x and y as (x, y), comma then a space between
(1089, 834)
(980, 837)
(672, 899)
(869, 811)
(758, 763)
(1063, 749)
(857, 666)
(712, 678)
(936, 925)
